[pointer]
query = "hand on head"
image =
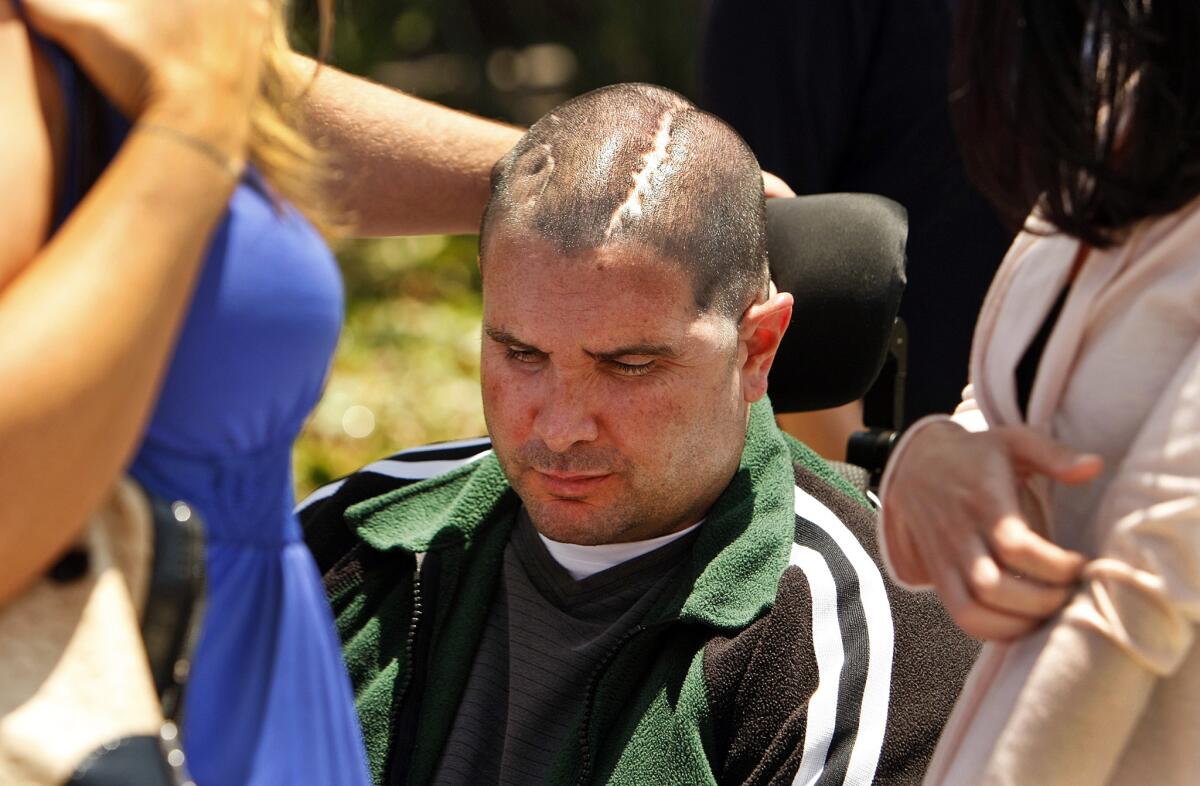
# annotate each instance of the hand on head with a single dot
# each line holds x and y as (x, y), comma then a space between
(199, 59)
(953, 519)
(775, 187)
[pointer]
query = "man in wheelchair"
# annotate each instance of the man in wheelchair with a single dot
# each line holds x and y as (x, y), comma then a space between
(638, 578)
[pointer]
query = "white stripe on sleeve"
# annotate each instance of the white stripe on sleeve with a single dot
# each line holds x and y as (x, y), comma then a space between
(324, 492)
(412, 469)
(872, 718)
(827, 643)
(419, 470)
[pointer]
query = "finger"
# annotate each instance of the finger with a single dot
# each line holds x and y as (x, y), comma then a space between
(992, 586)
(774, 186)
(1018, 549)
(1036, 453)
(976, 619)
(1085, 467)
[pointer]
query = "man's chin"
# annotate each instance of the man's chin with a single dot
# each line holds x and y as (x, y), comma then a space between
(572, 521)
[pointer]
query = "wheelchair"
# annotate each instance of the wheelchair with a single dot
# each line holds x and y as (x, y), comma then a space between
(842, 257)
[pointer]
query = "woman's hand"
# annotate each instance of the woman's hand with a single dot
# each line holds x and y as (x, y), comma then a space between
(952, 518)
(194, 64)
(774, 186)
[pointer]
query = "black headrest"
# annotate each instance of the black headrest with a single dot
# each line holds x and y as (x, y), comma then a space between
(842, 258)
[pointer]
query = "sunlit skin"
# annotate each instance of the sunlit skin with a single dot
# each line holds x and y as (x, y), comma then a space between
(617, 409)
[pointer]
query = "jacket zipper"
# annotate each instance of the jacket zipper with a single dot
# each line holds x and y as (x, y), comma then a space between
(585, 748)
(409, 655)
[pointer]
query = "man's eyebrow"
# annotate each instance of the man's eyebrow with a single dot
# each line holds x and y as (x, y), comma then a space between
(647, 349)
(504, 337)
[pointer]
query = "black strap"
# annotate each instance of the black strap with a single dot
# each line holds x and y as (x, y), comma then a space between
(1026, 370)
(89, 136)
(129, 761)
(175, 601)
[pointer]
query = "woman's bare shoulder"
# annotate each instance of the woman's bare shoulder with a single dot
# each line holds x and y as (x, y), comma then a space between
(29, 139)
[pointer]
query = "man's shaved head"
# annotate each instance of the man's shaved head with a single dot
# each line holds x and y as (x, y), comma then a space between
(627, 323)
(639, 165)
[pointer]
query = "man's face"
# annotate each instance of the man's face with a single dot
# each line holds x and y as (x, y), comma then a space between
(614, 407)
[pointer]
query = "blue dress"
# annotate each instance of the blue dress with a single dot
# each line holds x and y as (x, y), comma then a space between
(268, 700)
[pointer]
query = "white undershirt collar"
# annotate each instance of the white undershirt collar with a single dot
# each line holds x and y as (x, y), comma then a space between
(584, 561)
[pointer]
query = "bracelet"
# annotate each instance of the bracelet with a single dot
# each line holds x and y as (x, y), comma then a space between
(231, 165)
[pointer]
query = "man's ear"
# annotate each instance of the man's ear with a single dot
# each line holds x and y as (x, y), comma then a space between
(759, 333)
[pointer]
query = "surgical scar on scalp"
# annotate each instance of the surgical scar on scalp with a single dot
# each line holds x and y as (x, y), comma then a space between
(652, 160)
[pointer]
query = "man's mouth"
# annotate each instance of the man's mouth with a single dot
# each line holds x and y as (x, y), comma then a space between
(571, 484)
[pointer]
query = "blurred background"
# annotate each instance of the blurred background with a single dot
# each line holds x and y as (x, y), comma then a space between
(407, 369)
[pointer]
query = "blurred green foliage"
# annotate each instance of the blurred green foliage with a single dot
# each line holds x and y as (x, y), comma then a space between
(407, 368)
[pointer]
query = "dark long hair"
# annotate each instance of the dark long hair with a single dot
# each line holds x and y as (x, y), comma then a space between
(1087, 109)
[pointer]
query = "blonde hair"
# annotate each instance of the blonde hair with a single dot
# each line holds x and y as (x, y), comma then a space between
(281, 147)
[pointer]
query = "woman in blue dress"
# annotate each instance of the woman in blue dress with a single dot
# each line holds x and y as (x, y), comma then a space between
(177, 322)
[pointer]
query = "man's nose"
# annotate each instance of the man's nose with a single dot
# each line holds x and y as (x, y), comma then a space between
(564, 417)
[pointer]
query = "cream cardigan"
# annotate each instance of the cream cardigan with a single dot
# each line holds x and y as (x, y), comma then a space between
(1109, 690)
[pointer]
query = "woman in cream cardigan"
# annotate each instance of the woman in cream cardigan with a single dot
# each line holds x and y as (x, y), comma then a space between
(1057, 513)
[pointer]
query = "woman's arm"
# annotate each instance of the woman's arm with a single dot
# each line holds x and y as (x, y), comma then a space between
(1088, 677)
(88, 320)
(409, 166)
(952, 520)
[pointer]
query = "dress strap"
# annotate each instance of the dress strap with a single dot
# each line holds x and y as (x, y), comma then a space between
(71, 82)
